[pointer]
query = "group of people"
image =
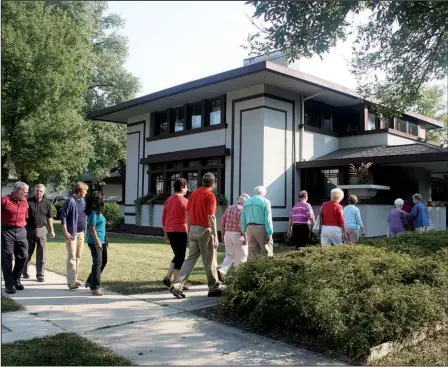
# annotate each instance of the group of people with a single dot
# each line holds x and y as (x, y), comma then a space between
(339, 225)
(246, 230)
(24, 230)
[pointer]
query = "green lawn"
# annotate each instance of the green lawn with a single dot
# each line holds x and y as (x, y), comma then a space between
(64, 349)
(9, 305)
(135, 265)
(430, 352)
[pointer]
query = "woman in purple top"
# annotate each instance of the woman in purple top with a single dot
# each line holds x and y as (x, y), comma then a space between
(300, 221)
(396, 220)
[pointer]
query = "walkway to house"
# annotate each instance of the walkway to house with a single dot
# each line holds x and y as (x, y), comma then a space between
(152, 328)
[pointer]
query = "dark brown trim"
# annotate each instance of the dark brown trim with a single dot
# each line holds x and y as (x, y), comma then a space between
(129, 205)
(368, 132)
(390, 159)
(285, 148)
(187, 132)
(144, 149)
(280, 219)
(136, 123)
(133, 228)
(138, 157)
(293, 170)
(232, 144)
(318, 130)
(220, 150)
(130, 214)
(186, 87)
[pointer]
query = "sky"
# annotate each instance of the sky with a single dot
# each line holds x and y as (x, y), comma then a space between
(172, 42)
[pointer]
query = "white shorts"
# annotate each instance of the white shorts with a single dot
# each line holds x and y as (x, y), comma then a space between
(331, 235)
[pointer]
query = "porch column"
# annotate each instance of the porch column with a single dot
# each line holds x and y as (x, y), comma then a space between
(424, 183)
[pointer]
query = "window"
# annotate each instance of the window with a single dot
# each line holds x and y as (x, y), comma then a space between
(319, 183)
(402, 126)
(371, 121)
(192, 178)
(215, 112)
(179, 119)
(191, 170)
(157, 183)
(413, 129)
(173, 178)
(196, 116)
(387, 123)
(161, 122)
(327, 120)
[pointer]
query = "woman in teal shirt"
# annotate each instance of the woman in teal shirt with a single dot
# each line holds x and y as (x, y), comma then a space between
(96, 239)
(352, 219)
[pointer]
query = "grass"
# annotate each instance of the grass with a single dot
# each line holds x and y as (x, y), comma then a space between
(430, 352)
(135, 265)
(9, 305)
(64, 349)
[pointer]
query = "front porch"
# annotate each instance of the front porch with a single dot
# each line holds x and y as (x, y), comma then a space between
(396, 172)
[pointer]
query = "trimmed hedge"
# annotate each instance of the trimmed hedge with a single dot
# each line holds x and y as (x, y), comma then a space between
(347, 298)
(112, 215)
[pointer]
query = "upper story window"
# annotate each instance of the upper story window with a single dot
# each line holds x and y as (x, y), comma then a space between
(161, 123)
(387, 123)
(413, 129)
(371, 121)
(327, 120)
(179, 119)
(196, 116)
(402, 126)
(214, 111)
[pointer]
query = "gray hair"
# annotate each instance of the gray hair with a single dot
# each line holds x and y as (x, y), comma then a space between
(208, 179)
(337, 195)
(417, 197)
(18, 186)
(399, 203)
(260, 190)
(243, 197)
(39, 186)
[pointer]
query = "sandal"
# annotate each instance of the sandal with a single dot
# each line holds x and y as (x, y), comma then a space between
(167, 282)
(97, 292)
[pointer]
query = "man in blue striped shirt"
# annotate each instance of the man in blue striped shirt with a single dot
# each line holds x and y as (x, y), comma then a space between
(256, 222)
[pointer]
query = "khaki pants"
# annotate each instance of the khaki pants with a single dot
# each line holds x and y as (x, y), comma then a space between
(236, 252)
(200, 243)
(74, 253)
(352, 235)
(256, 241)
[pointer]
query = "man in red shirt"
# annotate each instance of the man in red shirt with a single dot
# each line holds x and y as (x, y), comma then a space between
(14, 240)
(201, 211)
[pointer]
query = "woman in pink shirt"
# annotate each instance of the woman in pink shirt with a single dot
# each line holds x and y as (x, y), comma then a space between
(301, 219)
(174, 222)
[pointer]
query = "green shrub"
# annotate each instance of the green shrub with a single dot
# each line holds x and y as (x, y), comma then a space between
(348, 298)
(112, 214)
(54, 211)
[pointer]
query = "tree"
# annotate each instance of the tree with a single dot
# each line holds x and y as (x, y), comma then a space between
(45, 72)
(431, 103)
(109, 83)
(401, 46)
(61, 60)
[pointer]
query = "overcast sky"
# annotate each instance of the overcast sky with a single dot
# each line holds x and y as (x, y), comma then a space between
(171, 42)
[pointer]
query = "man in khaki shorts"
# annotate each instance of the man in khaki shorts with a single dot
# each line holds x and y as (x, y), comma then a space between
(203, 239)
(74, 225)
(256, 221)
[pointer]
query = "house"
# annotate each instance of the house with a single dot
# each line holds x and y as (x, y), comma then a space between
(266, 123)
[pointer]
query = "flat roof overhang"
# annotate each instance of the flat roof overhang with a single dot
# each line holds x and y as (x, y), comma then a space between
(260, 73)
(441, 157)
(215, 151)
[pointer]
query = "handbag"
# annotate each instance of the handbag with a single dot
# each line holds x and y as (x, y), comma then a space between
(317, 228)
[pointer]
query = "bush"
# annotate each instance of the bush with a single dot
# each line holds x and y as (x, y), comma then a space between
(112, 214)
(54, 211)
(348, 298)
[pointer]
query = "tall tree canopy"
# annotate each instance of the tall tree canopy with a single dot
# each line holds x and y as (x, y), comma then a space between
(401, 45)
(61, 60)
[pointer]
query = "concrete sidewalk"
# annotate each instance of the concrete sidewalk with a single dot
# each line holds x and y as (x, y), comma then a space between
(151, 328)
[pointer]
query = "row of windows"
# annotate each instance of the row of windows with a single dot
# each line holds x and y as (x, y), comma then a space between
(189, 116)
(163, 176)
